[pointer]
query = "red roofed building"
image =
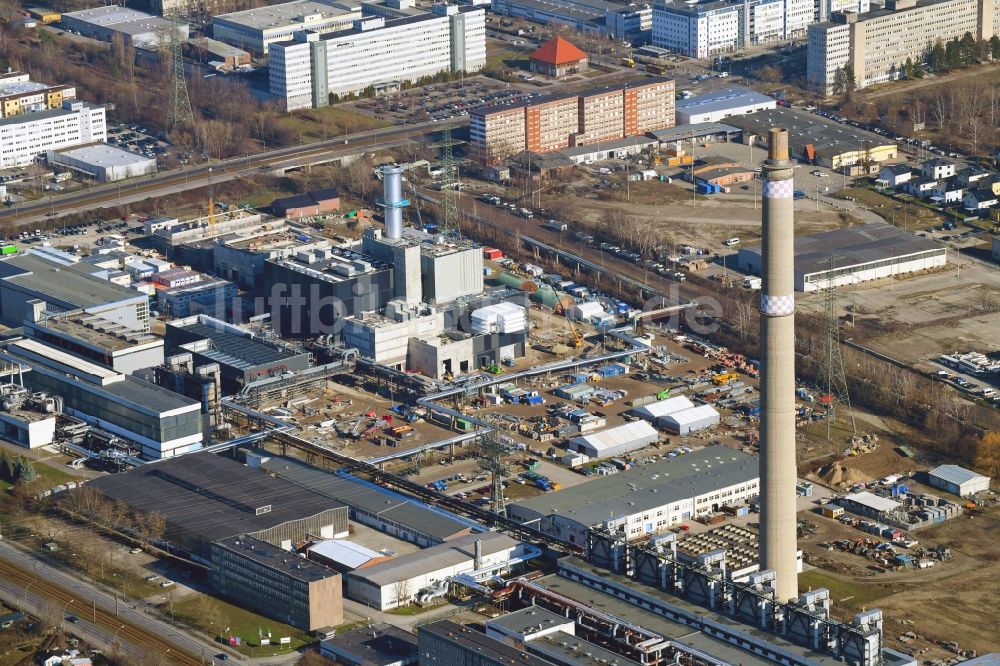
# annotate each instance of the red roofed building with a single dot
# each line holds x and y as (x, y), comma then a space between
(557, 57)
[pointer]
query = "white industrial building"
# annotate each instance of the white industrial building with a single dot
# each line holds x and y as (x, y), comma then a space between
(103, 162)
(853, 255)
(399, 581)
(505, 317)
(958, 480)
(646, 499)
(586, 311)
(721, 104)
(30, 135)
(376, 51)
(655, 411)
(256, 29)
(686, 421)
(615, 441)
(140, 29)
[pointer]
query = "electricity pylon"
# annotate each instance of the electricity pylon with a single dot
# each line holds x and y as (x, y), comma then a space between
(831, 379)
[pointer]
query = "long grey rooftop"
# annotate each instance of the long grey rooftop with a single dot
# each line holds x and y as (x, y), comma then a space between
(647, 486)
(828, 137)
(854, 246)
(722, 100)
(418, 518)
(67, 284)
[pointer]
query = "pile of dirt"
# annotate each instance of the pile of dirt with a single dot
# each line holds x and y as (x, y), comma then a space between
(839, 475)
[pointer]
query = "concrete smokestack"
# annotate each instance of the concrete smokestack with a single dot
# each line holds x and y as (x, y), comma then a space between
(777, 380)
(392, 200)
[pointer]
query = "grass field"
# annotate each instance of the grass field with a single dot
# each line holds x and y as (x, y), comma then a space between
(48, 476)
(909, 215)
(329, 122)
(844, 593)
(214, 615)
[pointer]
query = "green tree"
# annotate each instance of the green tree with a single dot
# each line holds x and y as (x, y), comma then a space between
(995, 47)
(918, 70)
(839, 82)
(909, 69)
(6, 467)
(967, 49)
(25, 470)
(850, 83)
(952, 54)
(937, 59)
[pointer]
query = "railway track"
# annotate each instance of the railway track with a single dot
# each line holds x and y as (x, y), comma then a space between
(159, 185)
(126, 630)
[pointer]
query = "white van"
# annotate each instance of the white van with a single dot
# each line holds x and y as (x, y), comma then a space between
(730, 242)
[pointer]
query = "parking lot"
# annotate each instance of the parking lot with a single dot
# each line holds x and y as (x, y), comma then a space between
(138, 139)
(439, 102)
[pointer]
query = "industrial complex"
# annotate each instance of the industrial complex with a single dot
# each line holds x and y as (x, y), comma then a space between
(510, 333)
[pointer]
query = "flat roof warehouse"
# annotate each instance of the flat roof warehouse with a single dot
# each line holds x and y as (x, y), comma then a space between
(806, 128)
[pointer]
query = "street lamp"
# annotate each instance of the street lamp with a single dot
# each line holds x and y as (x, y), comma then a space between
(114, 638)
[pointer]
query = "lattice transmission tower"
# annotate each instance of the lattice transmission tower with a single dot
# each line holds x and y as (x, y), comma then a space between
(450, 222)
(831, 378)
(492, 451)
(179, 113)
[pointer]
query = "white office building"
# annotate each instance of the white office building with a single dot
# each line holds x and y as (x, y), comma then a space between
(375, 52)
(25, 137)
(255, 30)
(698, 31)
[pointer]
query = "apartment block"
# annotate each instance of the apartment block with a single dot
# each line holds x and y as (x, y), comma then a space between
(553, 123)
(376, 51)
(19, 94)
(24, 137)
(549, 124)
(876, 44)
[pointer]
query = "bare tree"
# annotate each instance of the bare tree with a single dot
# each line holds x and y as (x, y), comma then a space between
(401, 592)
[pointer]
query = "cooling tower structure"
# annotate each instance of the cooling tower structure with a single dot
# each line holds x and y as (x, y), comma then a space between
(392, 199)
(777, 378)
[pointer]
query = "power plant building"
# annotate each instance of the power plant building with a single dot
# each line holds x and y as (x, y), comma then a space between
(376, 51)
(645, 500)
(859, 254)
(555, 122)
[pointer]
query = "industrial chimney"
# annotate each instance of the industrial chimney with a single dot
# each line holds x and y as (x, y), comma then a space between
(777, 378)
(392, 199)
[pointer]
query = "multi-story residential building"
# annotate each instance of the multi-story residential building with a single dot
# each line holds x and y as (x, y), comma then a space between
(375, 51)
(698, 30)
(876, 44)
(26, 136)
(256, 29)
(19, 94)
(560, 121)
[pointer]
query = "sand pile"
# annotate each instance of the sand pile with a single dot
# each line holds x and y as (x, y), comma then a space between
(840, 475)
